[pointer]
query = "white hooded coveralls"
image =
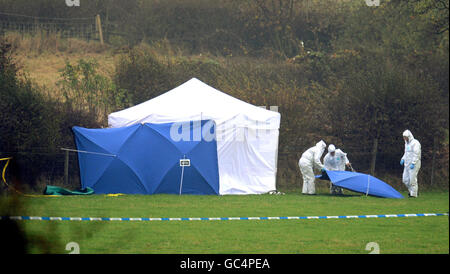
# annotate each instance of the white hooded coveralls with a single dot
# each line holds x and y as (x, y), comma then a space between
(336, 162)
(311, 159)
(412, 155)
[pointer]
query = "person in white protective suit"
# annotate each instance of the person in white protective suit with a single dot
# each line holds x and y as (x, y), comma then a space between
(335, 159)
(411, 161)
(309, 161)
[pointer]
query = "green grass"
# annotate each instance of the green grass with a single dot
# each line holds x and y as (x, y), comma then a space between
(394, 235)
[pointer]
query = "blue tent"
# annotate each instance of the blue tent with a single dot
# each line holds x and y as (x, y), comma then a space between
(144, 159)
(360, 182)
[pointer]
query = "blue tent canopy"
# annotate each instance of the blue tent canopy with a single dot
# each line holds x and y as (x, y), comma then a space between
(360, 182)
(145, 159)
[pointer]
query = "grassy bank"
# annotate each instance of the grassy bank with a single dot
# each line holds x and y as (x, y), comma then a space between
(394, 235)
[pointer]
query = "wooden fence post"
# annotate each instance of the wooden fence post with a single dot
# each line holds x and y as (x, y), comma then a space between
(99, 27)
(66, 169)
(374, 156)
(433, 161)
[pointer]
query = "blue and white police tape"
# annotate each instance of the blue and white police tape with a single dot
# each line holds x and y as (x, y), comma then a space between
(22, 218)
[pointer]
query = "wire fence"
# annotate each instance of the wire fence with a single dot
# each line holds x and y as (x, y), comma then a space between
(31, 172)
(83, 28)
(92, 28)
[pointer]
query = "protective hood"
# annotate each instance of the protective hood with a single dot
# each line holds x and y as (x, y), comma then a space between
(321, 146)
(409, 135)
(331, 148)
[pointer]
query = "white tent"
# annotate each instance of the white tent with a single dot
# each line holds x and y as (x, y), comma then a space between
(247, 135)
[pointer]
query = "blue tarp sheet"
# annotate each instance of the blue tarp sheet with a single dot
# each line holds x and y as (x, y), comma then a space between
(145, 159)
(359, 182)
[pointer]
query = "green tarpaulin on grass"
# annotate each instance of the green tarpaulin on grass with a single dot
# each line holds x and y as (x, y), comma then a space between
(56, 190)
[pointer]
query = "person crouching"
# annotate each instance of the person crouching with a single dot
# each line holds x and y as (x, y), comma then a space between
(309, 161)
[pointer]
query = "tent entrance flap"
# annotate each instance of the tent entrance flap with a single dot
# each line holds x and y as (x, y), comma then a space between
(148, 160)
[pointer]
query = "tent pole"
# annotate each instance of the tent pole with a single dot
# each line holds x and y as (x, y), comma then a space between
(88, 152)
(181, 183)
(182, 175)
(276, 159)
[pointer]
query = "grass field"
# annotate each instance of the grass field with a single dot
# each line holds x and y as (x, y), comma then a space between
(393, 235)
